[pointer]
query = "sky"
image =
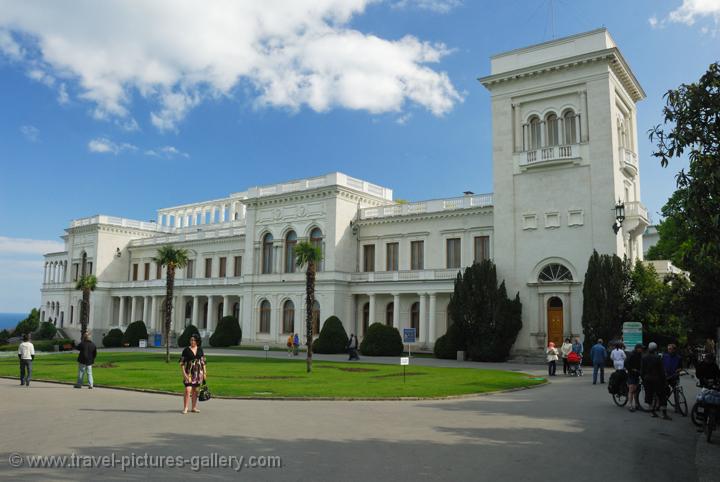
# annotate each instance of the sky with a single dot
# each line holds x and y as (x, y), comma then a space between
(123, 107)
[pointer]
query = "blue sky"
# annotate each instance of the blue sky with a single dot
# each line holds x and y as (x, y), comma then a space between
(106, 107)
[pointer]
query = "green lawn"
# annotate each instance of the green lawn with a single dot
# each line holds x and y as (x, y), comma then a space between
(257, 377)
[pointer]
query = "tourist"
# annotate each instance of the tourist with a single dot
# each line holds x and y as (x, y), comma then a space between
(598, 353)
(26, 354)
(552, 357)
(654, 381)
(290, 345)
(296, 344)
(577, 346)
(707, 371)
(192, 362)
(353, 347)
(565, 350)
(618, 357)
(86, 359)
(634, 366)
(710, 346)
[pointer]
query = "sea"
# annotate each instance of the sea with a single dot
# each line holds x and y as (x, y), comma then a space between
(8, 321)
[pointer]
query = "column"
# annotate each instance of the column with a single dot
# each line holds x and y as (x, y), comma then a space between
(396, 311)
(146, 310)
(153, 313)
(121, 314)
(226, 306)
(543, 140)
(133, 304)
(212, 214)
(371, 319)
(195, 310)
(211, 313)
(358, 316)
(222, 213)
(432, 329)
(583, 124)
(233, 210)
(561, 130)
(423, 318)
(176, 215)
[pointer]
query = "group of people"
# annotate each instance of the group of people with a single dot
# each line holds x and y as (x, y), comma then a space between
(86, 359)
(293, 345)
(553, 355)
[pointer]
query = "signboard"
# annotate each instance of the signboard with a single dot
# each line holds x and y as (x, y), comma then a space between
(632, 334)
(266, 347)
(405, 360)
(408, 335)
(143, 343)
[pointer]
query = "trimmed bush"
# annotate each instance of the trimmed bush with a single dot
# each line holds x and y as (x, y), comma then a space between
(135, 332)
(46, 331)
(184, 339)
(332, 338)
(227, 333)
(113, 338)
(381, 340)
(446, 347)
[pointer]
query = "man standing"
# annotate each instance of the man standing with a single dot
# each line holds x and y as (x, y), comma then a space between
(353, 347)
(577, 346)
(86, 358)
(672, 363)
(634, 365)
(654, 381)
(26, 354)
(618, 357)
(597, 355)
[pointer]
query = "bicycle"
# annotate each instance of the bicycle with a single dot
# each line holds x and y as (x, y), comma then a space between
(676, 394)
(621, 397)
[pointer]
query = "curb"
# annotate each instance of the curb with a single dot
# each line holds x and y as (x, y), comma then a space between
(304, 399)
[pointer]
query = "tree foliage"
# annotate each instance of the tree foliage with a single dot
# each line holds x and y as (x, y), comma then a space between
(29, 324)
(172, 258)
(487, 321)
(227, 333)
(691, 128)
(309, 255)
(113, 338)
(135, 332)
(46, 331)
(381, 340)
(333, 337)
(675, 242)
(87, 283)
(184, 339)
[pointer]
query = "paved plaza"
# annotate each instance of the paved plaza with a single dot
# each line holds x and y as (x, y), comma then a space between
(568, 428)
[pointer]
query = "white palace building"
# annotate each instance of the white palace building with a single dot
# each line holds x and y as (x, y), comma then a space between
(564, 153)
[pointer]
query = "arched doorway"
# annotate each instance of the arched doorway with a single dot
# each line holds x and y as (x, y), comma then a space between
(555, 320)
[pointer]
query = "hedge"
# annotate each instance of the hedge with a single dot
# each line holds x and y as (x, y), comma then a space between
(184, 339)
(113, 338)
(135, 332)
(227, 333)
(381, 340)
(42, 345)
(332, 338)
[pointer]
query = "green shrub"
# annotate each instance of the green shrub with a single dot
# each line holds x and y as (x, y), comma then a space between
(135, 332)
(381, 340)
(4, 337)
(446, 347)
(184, 339)
(42, 345)
(46, 331)
(113, 338)
(332, 338)
(227, 333)
(29, 324)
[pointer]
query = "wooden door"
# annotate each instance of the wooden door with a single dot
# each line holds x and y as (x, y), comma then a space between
(555, 325)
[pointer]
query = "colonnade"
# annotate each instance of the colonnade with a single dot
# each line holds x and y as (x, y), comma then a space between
(55, 272)
(424, 306)
(220, 212)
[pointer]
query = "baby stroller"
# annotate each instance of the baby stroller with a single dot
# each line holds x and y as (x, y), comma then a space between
(574, 361)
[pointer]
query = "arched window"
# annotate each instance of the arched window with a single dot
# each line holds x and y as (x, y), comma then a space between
(551, 124)
(534, 133)
(365, 317)
(236, 311)
(290, 242)
(415, 318)
(316, 239)
(389, 312)
(571, 131)
(267, 254)
(265, 317)
(316, 317)
(289, 317)
(554, 273)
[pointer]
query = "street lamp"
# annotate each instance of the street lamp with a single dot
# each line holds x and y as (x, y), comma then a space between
(619, 216)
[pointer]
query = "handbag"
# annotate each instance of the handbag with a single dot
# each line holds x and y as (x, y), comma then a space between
(204, 394)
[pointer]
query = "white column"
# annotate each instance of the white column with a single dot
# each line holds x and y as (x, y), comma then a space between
(195, 310)
(561, 131)
(213, 209)
(121, 314)
(226, 306)
(176, 215)
(543, 140)
(132, 308)
(222, 213)
(422, 335)
(233, 210)
(211, 313)
(582, 122)
(358, 316)
(153, 314)
(371, 319)
(146, 310)
(396, 311)
(432, 329)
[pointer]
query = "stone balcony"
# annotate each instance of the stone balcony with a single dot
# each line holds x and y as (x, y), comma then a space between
(432, 206)
(115, 221)
(548, 155)
(636, 218)
(405, 275)
(628, 161)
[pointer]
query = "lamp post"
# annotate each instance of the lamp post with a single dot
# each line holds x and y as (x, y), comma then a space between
(619, 216)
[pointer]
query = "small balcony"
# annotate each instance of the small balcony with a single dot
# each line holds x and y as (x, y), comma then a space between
(636, 218)
(628, 162)
(548, 155)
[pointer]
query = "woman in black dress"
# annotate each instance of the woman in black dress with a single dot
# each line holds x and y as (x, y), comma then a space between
(192, 363)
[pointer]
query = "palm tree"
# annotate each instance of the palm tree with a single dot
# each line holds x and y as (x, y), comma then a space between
(86, 283)
(171, 258)
(309, 254)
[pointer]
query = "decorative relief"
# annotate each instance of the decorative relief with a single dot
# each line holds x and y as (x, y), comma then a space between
(575, 217)
(529, 221)
(289, 213)
(552, 220)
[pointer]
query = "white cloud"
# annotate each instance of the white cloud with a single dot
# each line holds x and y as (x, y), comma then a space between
(167, 152)
(438, 6)
(403, 119)
(28, 246)
(177, 53)
(31, 133)
(689, 12)
(103, 145)
(63, 97)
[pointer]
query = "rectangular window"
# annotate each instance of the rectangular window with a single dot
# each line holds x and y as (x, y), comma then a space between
(158, 270)
(76, 269)
(453, 253)
(369, 258)
(89, 268)
(481, 248)
(147, 271)
(190, 270)
(391, 260)
(135, 272)
(208, 267)
(238, 266)
(222, 268)
(417, 255)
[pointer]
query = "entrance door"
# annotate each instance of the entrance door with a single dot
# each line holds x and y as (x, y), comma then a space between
(555, 320)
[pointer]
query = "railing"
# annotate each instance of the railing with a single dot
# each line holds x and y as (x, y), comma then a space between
(115, 221)
(635, 209)
(435, 205)
(629, 160)
(406, 275)
(189, 236)
(552, 153)
(336, 178)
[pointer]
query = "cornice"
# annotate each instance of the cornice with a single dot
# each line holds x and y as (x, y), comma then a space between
(320, 193)
(406, 218)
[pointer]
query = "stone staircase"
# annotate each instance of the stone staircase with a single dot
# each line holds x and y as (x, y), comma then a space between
(528, 357)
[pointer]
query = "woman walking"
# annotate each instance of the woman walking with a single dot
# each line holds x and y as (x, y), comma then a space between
(552, 357)
(565, 350)
(192, 362)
